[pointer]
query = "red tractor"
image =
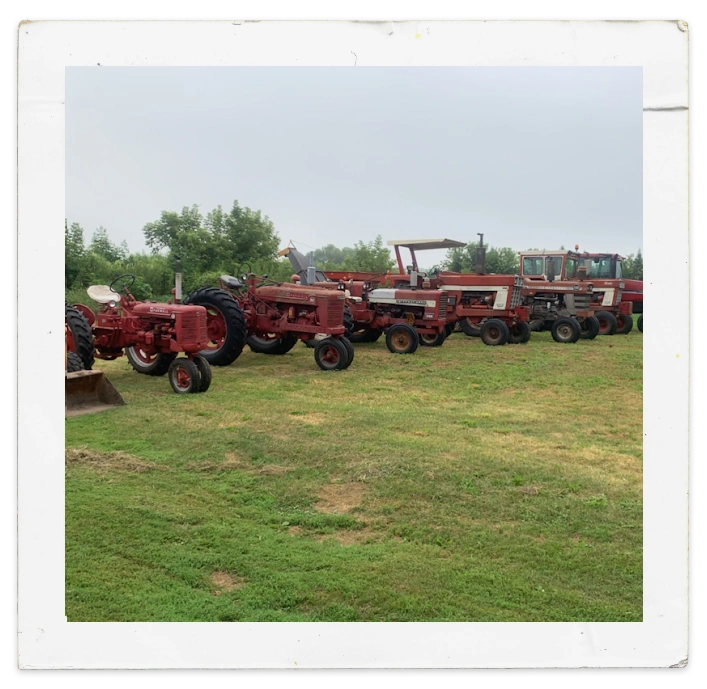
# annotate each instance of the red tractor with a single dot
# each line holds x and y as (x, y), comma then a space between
(609, 267)
(409, 316)
(613, 314)
(150, 334)
(274, 316)
(484, 305)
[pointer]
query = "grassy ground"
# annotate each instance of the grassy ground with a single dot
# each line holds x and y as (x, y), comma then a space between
(462, 483)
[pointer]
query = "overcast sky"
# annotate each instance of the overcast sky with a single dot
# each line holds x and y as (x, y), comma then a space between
(531, 157)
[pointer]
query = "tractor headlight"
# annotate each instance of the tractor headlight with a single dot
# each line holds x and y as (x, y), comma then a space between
(621, 284)
(590, 287)
(111, 304)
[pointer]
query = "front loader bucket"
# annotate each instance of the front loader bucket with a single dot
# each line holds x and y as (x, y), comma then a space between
(89, 391)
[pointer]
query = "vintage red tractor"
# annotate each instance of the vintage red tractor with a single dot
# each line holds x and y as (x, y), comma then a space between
(606, 302)
(274, 316)
(484, 305)
(610, 267)
(150, 334)
(379, 303)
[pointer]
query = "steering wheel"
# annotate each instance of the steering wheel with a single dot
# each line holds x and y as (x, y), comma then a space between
(242, 272)
(126, 285)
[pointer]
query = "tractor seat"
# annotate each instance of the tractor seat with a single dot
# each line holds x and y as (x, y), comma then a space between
(102, 294)
(230, 281)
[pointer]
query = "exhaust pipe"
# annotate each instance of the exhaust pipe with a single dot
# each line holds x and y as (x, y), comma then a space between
(178, 282)
(480, 256)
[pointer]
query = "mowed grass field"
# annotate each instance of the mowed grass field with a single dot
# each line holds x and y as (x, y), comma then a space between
(460, 483)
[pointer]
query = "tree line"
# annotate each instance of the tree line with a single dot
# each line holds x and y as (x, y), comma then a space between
(225, 241)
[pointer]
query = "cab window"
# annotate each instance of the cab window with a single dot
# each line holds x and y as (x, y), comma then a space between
(533, 265)
(619, 273)
(571, 268)
(601, 268)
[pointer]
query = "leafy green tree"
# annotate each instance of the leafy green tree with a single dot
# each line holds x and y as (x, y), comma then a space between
(74, 252)
(501, 260)
(371, 257)
(633, 266)
(331, 257)
(102, 245)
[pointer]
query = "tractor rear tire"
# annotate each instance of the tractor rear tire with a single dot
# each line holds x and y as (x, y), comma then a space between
(470, 329)
(607, 322)
(519, 332)
(331, 354)
(565, 330)
(143, 363)
(73, 362)
(225, 323)
(348, 321)
(402, 338)
(639, 325)
(436, 340)
(589, 328)
(374, 335)
(494, 332)
(278, 347)
(537, 325)
(449, 329)
(204, 372)
(82, 335)
(358, 335)
(624, 324)
(184, 376)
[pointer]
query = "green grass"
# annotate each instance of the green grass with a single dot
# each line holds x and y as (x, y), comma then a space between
(461, 483)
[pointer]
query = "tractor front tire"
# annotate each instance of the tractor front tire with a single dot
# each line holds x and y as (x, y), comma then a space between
(519, 332)
(348, 321)
(449, 329)
(589, 328)
(82, 335)
(494, 332)
(184, 376)
(436, 340)
(204, 372)
(565, 330)
(607, 322)
(349, 349)
(331, 354)
(225, 325)
(402, 338)
(639, 325)
(624, 324)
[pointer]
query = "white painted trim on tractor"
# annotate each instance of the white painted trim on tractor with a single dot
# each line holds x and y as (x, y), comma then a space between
(501, 292)
(608, 299)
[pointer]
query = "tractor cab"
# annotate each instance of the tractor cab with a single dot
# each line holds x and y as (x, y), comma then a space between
(548, 266)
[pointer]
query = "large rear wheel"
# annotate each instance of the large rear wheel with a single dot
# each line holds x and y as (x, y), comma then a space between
(148, 363)
(271, 343)
(80, 336)
(225, 325)
(470, 328)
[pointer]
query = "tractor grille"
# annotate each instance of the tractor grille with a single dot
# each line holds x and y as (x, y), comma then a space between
(443, 306)
(516, 296)
(334, 313)
(581, 302)
(193, 327)
(619, 295)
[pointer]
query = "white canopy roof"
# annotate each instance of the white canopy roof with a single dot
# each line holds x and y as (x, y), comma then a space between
(422, 244)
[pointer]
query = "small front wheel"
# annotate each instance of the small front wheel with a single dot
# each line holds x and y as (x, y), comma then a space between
(435, 340)
(402, 338)
(624, 324)
(184, 376)
(607, 322)
(494, 332)
(589, 328)
(349, 348)
(204, 372)
(565, 330)
(331, 354)
(519, 332)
